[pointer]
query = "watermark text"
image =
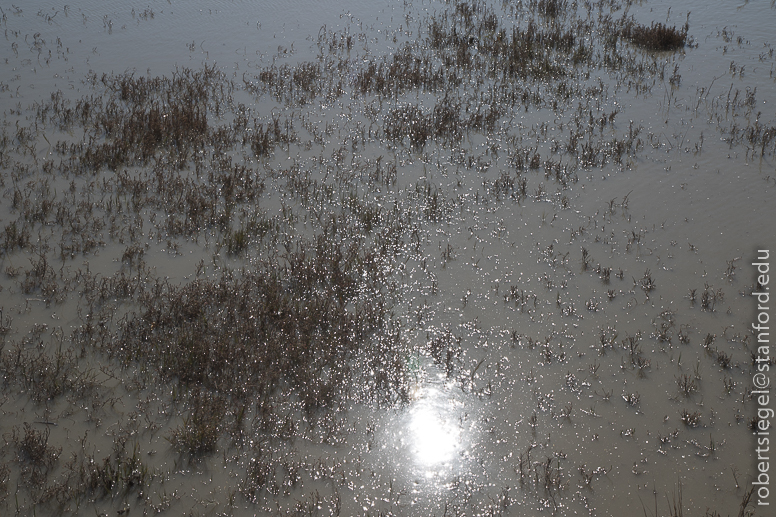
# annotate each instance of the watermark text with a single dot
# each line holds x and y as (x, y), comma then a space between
(761, 378)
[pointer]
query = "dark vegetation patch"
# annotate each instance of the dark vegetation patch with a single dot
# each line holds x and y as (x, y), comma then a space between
(34, 454)
(138, 117)
(44, 376)
(550, 8)
(265, 138)
(533, 51)
(655, 37)
(85, 478)
(407, 69)
(303, 325)
(202, 427)
(445, 122)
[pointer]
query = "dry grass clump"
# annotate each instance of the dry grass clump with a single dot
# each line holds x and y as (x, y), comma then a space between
(507, 186)
(549, 8)
(36, 457)
(310, 323)
(463, 26)
(528, 52)
(687, 384)
(299, 84)
(86, 479)
(691, 419)
(446, 351)
(444, 122)
(40, 277)
(135, 136)
(534, 51)
(760, 135)
(5, 475)
(408, 68)
(200, 431)
(14, 237)
(264, 139)
(119, 470)
(45, 377)
(408, 122)
(260, 476)
(655, 37)
(137, 117)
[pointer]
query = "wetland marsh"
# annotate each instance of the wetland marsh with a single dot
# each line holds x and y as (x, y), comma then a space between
(381, 258)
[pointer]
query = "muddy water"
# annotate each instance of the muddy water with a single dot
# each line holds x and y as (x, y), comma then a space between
(557, 387)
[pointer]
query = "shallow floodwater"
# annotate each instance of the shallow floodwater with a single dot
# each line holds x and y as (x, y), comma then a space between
(577, 345)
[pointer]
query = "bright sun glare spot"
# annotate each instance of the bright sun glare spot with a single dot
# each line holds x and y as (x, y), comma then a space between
(434, 436)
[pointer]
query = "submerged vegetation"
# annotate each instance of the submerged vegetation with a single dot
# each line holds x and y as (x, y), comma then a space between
(323, 202)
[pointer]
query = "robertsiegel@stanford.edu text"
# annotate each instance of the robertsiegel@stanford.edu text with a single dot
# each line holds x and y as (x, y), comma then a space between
(761, 378)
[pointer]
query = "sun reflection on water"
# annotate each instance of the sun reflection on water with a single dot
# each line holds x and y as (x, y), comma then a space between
(434, 433)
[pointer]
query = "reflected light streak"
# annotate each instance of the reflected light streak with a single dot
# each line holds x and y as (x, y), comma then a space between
(435, 438)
